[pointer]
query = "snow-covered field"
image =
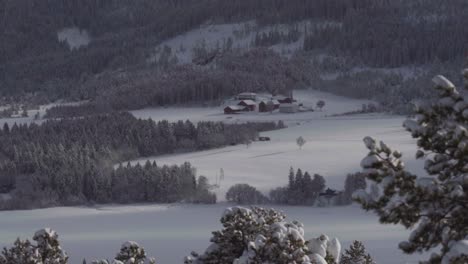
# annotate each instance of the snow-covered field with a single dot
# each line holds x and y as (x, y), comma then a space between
(171, 232)
(334, 144)
(334, 105)
(334, 148)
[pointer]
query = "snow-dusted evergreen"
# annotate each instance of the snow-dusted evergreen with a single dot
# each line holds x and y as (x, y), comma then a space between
(436, 207)
(356, 254)
(47, 250)
(258, 235)
(245, 194)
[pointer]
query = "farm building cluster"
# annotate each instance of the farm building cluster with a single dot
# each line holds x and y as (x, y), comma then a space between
(250, 102)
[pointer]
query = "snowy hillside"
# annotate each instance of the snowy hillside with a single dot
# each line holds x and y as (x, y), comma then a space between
(241, 36)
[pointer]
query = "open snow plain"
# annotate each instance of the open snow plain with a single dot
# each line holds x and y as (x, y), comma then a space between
(169, 232)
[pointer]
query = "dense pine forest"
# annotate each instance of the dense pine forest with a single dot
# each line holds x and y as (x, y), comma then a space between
(114, 68)
(71, 161)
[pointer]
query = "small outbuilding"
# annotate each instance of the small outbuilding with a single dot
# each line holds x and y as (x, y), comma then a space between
(268, 105)
(283, 99)
(234, 109)
(249, 104)
(289, 108)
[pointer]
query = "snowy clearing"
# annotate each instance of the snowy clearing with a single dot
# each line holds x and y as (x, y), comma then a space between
(171, 232)
(334, 148)
(74, 37)
(217, 36)
(334, 105)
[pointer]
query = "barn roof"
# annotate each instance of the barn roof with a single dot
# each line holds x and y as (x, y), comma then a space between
(235, 107)
(248, 102)
(275, 102)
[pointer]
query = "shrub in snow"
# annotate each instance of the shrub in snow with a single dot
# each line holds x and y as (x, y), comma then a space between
(300, 141)
(258, 235)
(320, 104)
(46, 251)
(130, 253)
(245, 194)
(356, 254)
(22, 252)
(436, 206)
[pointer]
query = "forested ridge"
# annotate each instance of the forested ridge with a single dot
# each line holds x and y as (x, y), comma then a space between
(36, 67)
(71, 161)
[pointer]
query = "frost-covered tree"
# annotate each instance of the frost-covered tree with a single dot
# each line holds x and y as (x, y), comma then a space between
(300, 141)
(245, 194)
(47, 250)
(132, 253)
(320, 104)
(353, 182)
(356, 254)
(260, 235)
(436, 207)
(22, 252)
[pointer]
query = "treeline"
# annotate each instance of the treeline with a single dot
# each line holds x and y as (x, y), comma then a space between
(302, 189)
(70, 161)
(396, 33)
(84, 109)
(267, 39)
(257, 70)
(151, 183)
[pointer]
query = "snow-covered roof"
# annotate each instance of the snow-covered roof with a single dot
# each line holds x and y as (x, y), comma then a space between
(248, 102)
(275, 102)
(235, 107)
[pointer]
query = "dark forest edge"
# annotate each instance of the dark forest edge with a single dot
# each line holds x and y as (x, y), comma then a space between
(343, 35)
(72, 161)
(302, 189)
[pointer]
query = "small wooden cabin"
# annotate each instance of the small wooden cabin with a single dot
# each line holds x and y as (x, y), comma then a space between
(234, 109)
(249, 104)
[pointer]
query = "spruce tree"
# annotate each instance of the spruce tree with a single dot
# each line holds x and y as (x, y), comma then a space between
(356, 254)
(132, 253)
(258, 235)
(436, 207)
(49, 248)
